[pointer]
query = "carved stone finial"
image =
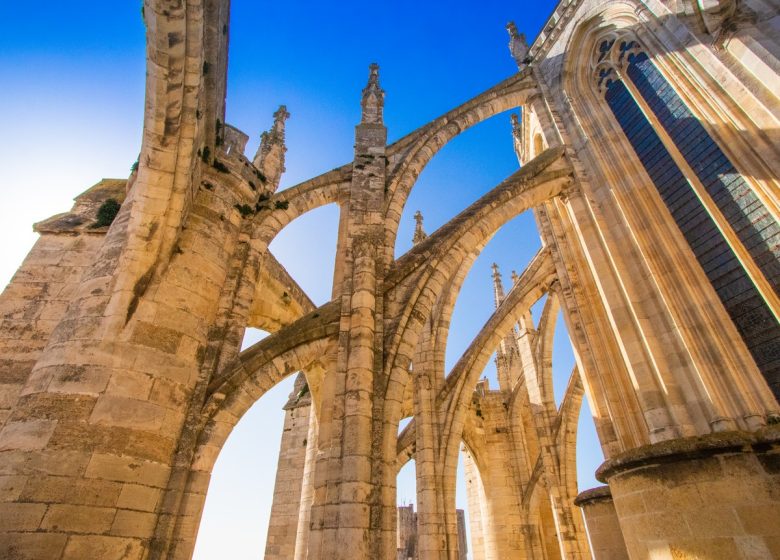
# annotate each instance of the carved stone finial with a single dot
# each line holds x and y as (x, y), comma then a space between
(515, 277)
(373, 100)
(498, 286)
(280, 118)
(518, 46)
(270, 155)
(419, 233)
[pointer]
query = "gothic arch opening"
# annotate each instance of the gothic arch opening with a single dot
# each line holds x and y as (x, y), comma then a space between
(307, 249)
(512, 248)
(236, 517)
(461, 171)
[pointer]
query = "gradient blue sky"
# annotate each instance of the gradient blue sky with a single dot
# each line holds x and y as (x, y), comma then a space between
(72, 80)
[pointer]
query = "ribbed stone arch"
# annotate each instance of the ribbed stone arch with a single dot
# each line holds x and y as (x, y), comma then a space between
(290, 204)
(567, 429)
(532, 284)
(409, 156)
(544, 348)
(440, 255)
(321, 324)
(302, 347)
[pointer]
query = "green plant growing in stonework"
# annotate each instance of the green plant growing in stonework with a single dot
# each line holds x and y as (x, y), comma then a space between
(106, 213)
(221, 167)
(244, 209)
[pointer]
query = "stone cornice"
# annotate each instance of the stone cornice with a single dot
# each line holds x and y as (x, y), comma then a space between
(687, 448)
(594, 495)
(553, 28)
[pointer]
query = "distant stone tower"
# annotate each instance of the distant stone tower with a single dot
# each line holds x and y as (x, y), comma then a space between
(407, 534)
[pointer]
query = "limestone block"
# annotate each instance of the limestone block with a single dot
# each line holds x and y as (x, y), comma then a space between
(127, 469)
(78, 519)
(20, 516)
(26, 435)
(80, 547)
(138, 497)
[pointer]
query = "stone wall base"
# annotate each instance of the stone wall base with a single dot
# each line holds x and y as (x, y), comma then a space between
(715, 497)
(598, 509)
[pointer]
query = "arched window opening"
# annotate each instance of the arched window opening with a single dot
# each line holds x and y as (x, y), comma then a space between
(710, 202)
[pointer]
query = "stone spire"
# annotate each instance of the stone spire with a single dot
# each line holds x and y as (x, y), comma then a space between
(518, 47)
(373, 100)
(280, 119)
(517, 136)
(498, 286)
(419, 233)
(515, 278)
(269, 158)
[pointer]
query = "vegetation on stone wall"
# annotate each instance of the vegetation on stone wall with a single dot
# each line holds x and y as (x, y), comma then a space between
(106, 213)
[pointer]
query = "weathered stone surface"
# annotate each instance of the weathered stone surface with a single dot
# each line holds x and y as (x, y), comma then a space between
(122, 375)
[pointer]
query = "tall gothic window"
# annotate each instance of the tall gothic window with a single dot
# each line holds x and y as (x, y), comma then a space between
(625, 74)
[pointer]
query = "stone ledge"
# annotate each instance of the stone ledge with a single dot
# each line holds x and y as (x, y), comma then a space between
(592, 496)
(696, 447)
(83, 215)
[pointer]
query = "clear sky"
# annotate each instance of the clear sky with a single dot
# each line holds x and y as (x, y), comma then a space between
(72, 87)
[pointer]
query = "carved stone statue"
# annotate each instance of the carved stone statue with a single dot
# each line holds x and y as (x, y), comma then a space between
(518, 46)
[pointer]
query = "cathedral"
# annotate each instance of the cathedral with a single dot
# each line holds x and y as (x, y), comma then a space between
(648, 138)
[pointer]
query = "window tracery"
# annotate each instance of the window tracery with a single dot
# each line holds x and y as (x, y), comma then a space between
(642, 102)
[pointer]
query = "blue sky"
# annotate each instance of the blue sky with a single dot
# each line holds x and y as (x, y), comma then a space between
(72, 80)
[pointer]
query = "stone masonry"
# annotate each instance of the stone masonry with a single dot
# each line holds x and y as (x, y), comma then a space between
(647, 139)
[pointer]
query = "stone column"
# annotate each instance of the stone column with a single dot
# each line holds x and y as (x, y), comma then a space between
(353, 513)
(713, 497)
(285, 509)
(606, 539)
(463, 547)
(307, 489)
(474, 495)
